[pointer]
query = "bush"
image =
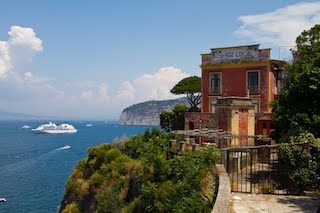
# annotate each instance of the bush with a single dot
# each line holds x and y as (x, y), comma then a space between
(142, 175)
(96, 179)
(82, 187)
(72, 208)
(134, 206)
(267, 186)
(296, 160)
(109, 202)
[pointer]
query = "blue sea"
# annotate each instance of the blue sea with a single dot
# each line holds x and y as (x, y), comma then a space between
(35, 167)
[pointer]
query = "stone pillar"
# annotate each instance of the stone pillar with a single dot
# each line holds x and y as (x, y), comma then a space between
(236, 115)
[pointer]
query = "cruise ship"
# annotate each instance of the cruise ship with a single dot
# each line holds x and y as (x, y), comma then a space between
(52, 128)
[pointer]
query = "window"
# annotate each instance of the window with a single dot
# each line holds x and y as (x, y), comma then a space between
(255, 103)
(213, 106)
(215, 83)
(264, 125)
(253, 82)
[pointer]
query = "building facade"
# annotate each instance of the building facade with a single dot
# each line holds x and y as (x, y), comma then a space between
(242, 71)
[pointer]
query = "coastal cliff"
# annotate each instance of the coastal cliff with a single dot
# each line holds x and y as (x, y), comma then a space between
(141, 174)
(147, 113)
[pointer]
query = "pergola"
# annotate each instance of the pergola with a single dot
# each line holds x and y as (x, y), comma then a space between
(214, 134)
(206, 133)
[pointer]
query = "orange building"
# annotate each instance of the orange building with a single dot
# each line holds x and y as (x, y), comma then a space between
(242, 71)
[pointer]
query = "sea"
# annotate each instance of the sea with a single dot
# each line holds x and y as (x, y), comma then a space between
(35, 167)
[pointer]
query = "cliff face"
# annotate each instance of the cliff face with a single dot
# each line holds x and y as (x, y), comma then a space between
(141, 174)
(147, 113)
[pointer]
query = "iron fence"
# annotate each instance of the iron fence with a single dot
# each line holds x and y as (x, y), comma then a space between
(257, 169)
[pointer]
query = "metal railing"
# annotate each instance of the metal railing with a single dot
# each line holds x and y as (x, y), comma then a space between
(258, 169)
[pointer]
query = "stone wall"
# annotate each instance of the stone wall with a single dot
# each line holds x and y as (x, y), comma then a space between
(193, 120)
(222, 202)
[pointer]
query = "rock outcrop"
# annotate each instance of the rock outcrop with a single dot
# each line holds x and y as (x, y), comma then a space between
(147, 113)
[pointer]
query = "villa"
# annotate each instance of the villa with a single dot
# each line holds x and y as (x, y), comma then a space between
(238, 84)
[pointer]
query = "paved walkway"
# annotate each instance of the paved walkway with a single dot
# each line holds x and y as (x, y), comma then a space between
(256, 203)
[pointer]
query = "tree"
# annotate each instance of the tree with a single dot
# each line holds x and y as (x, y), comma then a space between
(191, 86)
(173, 120)
(297, 109)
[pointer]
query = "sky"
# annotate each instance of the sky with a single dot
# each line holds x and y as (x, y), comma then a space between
(81, 59)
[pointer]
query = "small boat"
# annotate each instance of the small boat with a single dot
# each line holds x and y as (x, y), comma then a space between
(25, 127)
(67, 147)
(88, 125)
(2, 199)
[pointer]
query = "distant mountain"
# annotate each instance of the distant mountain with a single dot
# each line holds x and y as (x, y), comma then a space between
(4, 115)
(147, 113)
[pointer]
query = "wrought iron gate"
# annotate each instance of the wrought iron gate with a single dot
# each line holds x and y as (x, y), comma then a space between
(255, 169)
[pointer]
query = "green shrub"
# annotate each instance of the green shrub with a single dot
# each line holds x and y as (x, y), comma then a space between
(143, 175)
(109, 202)
(134, 207)
(267, 186)
(72, 208)
(112, 155)
(96, 179)
(297, 161)
(81, 187)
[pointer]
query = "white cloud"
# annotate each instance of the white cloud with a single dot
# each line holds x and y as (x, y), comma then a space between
(15, 55)
(96, 98)
(82, 84)
(5, 59)
(28, 75)
(103, 95)
(94, 91)
(155, 86)
(127, 91)
(18, 50)
(87, 95)
(282, 26)
(22, 36)
(40, 95)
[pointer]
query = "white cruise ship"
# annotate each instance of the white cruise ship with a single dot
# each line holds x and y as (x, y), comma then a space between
(42, 127)
(52, 128)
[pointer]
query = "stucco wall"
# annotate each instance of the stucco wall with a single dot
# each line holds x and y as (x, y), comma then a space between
(222, 202)
(234, 80)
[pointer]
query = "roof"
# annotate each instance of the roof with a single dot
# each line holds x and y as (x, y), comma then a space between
(236, 47)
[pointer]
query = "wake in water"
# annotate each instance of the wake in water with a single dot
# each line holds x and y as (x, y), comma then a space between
(31, 161)
(64, 147)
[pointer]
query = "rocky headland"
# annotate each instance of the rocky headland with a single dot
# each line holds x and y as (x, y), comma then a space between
(147, 113)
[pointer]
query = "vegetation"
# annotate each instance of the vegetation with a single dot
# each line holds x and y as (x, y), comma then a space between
(141, 174)
(71, 208)
(303, 165)
(173, 120)
(297, 108)
(190, 86)
(297, 114)
(267, 186)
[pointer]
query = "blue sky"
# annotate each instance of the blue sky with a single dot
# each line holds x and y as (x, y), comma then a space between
(90, 59)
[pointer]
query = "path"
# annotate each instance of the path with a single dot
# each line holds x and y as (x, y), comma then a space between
(256, 203)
